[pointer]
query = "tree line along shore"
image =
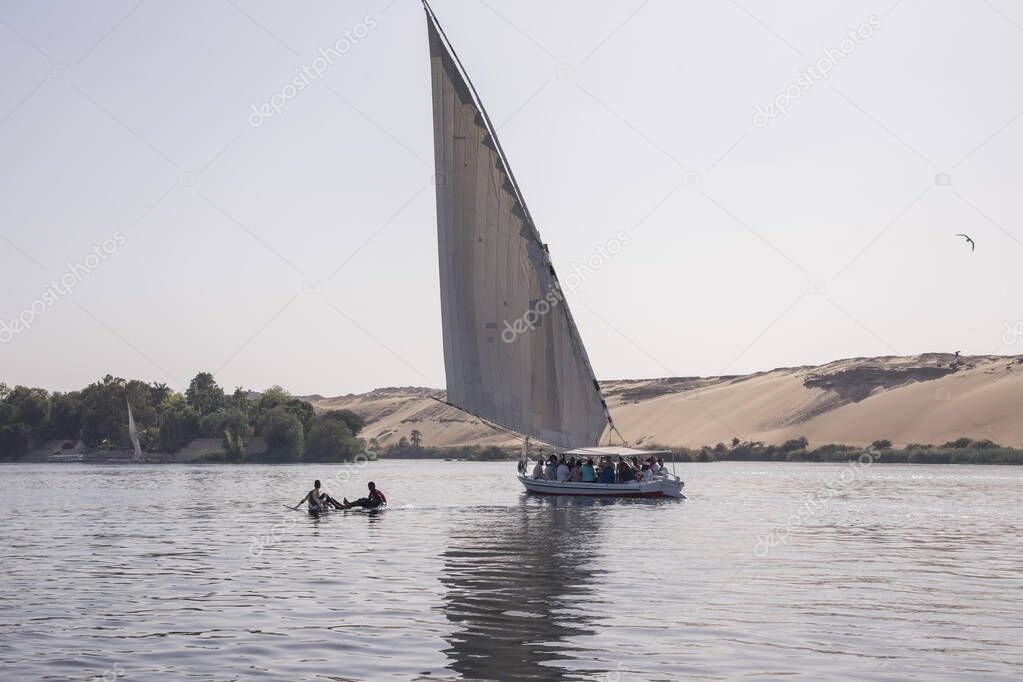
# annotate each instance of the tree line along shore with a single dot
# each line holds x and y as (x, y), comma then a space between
(96, 416)
(288, 429)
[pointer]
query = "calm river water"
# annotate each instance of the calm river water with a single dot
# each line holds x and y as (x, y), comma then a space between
(767, 571)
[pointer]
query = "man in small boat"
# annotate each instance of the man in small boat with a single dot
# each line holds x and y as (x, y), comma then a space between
(607, 471)
(373, 501)
(319, 500)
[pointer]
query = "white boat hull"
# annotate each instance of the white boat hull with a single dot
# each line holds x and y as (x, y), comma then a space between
(661, 487)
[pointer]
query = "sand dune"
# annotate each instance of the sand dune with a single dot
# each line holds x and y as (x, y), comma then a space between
(929, 398)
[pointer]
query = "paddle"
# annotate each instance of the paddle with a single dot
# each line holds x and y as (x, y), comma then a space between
(291, 508)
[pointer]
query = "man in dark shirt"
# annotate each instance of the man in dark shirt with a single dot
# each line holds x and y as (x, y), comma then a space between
(375, 499)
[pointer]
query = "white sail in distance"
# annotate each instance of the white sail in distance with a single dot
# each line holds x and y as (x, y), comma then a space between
(133, 433)
(512, 352)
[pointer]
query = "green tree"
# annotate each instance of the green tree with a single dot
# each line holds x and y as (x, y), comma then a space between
(272, 397)
(239, 400)
(13, 440)
(330, 440)
(140, 394)
(204, 395)
(104, 413)
(179, 424)
(66, 415)
(303, 410)
(234, 425)
(209, 426)
(149, 438)
(883, 444)
(234, 446)
(354, 422)
(284, 434)
(158, 392)
(794, 444)
(417, 438)
(31, 406)
(24, 417)
(235, 420)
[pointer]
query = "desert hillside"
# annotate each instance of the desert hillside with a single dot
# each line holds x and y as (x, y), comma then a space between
(931, 398)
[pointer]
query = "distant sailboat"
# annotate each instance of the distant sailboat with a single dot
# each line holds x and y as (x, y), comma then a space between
(512, 352)
(133, 433)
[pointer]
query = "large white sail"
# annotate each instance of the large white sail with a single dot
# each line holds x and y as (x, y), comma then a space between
(512, 352)
(133, 433)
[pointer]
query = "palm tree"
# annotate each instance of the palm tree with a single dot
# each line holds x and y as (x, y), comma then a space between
(417, 439)
(158, 393)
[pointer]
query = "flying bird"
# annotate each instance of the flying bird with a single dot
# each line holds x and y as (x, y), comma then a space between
(973, 245)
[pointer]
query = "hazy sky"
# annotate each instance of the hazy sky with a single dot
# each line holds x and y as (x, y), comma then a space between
(815, 235)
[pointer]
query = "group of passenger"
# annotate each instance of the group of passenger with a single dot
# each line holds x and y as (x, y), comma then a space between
(606, 470)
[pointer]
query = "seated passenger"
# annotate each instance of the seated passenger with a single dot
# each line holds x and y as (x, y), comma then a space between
(576, 473)
(564, 472)
(588, 473)
(607, 472)
(625, 473)
(552, 468)
(538, 469)
(646, 474)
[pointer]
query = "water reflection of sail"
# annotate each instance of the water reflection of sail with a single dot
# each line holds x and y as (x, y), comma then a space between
(519, 583)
